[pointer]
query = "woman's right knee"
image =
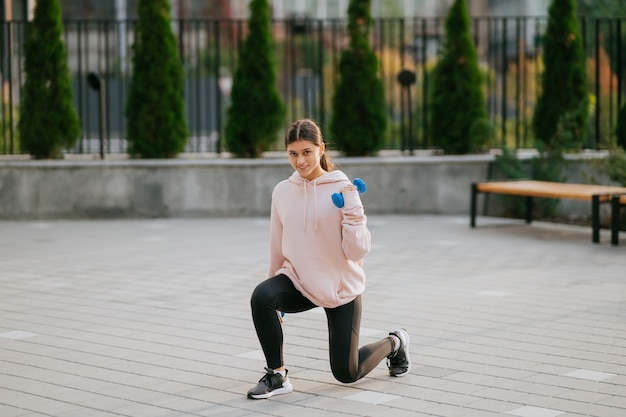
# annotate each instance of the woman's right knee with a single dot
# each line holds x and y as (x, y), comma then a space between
(343, 375)
(261, 295)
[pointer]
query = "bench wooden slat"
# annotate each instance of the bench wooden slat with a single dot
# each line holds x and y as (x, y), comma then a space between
(546, 189)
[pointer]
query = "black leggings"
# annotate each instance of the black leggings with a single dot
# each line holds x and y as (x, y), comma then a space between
(348, 363)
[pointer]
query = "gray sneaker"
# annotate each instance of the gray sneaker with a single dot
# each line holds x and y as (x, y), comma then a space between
(271, 384)
(399, 363)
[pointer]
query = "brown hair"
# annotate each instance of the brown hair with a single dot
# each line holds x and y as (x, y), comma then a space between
(307, 129)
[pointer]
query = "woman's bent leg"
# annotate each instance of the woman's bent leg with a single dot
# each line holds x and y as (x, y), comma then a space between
(347, 361)
(272, 295)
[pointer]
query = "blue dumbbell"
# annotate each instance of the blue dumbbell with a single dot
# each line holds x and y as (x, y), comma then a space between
(360, 187)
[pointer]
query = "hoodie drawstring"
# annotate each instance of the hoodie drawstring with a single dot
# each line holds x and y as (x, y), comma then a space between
(314, 202)
(305, 205)
(315, 199)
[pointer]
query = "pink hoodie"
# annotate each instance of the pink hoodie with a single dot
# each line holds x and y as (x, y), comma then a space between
(317, 245)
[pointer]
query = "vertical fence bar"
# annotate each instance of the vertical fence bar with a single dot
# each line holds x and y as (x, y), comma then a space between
(3, 50)
(84, 106)
(612, 118)
(493, 79)
(129, 28)
(197, 60)
(9, 112)
(4, 53)
(286, 70)
(121, 52)
(107, 76)
(180, 38)
(219, 93)
(18, 58)
(9, 67)
(538, 44)
(320, 72)
(524, 74)
(504, 63)
(597, 86)
(585, 37)
(518, 79)
(100, 59)
(308, 75)
(485, 58)
(290, 68)
(117, 99)
(185, 44)
(404, 130)
(618, 70)
(386, 37)
(423, 57)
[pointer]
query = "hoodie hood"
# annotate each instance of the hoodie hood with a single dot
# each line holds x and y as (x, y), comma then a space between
(332, 177)
(329, 177)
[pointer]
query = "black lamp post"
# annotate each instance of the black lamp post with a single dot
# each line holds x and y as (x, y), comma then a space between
(406, 78)
(96, 81)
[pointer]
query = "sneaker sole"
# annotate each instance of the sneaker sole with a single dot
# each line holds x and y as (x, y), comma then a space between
(406, 350)
(286, 389)
(402, 374)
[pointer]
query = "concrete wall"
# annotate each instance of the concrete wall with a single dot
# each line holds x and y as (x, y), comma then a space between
(233, 187)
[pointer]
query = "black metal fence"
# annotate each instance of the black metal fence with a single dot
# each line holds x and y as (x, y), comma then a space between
(307, 56)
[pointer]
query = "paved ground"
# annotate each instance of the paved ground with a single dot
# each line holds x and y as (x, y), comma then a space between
(151, 318)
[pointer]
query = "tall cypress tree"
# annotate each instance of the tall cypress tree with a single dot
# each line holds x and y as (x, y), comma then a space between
(256, 112)
(49, 122)
(155, 108)
(561, 114)
(358, 122)
(458, 116)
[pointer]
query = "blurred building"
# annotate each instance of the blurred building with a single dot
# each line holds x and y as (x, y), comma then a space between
(281, 9)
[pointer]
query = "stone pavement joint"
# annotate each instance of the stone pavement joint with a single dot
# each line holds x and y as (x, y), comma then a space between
(151, 318)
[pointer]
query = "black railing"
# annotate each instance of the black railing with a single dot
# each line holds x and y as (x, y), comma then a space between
(307, 55)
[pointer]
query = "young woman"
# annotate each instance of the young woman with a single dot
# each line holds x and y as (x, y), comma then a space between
(316, 260)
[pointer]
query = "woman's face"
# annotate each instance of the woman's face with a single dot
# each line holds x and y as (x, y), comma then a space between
(304, 157)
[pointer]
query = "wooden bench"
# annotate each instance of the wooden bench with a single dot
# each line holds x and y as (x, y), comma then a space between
(597, 194)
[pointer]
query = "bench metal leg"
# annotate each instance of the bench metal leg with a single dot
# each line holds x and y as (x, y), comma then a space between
(473, 206)
(529, 210)
(595, 218)
(615, 220)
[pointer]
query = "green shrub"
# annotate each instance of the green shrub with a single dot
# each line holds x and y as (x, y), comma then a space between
(49, 122)
(256, 112)
(459, 122)
(615, 165)
(560, 118)
(358, 122)
(509, 164)
(155, 108)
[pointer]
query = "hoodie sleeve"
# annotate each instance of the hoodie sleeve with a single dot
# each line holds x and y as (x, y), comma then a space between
(276, 242)
(356, 238)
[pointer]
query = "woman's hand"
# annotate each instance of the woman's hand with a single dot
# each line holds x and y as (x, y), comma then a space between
(349, 187)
